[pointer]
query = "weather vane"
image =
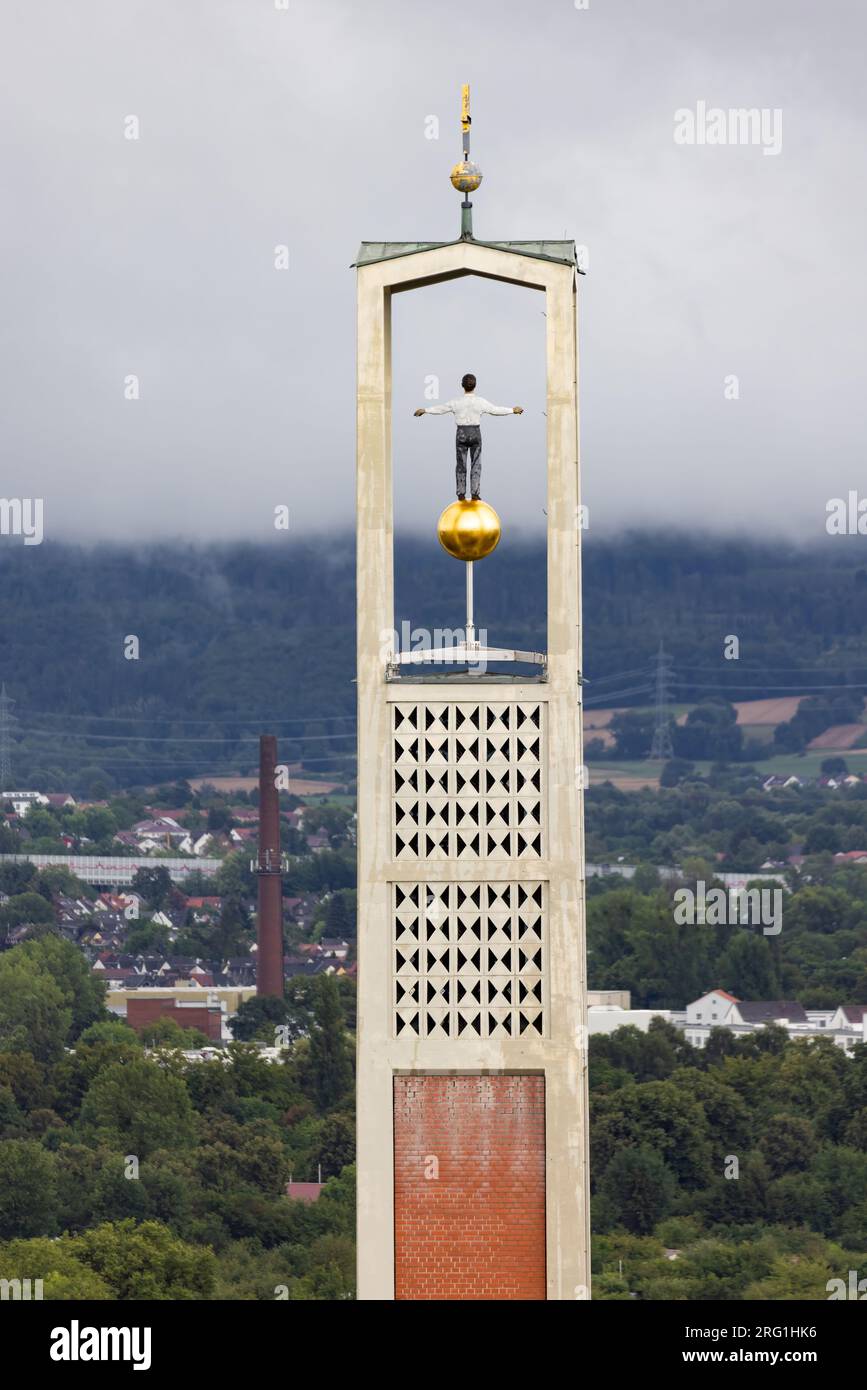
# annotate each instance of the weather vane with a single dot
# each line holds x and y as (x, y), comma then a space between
(466, 176)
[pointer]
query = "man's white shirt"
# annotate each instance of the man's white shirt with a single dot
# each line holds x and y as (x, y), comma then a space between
(468, 410)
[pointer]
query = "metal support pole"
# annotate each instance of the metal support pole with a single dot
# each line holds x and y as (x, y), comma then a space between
(471, 630)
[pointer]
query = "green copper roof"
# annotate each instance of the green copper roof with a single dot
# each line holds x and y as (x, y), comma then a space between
(561, 251)
(370, 251)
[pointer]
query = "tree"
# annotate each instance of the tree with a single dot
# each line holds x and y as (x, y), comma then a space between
(10, 843)
(660, 1115)
(28, 1189)
(52, 1261)
(632, 732)
(330, 1064)
(675, 771)
(258, 1018)
(747, 969)
(255, 1161)
(100, 825)
(82, 992)
(821, 838)
(834, 767)
(138, 1107)
(810, 1080)
(234, 878)
(337, 1201)
(16, 878)
(814, 715)
(179, 793)
(78, 1171)
(166, 1032)
(637, 945)
(637, 1190)
(856, 1130)
(646, 878)
(35, 1016)
(54, 878)
(721, 1043)
(788, 1144)
(43, 824)
(154, 883)
(27, 1079)
(336, 1144)
(725, 1110)
(643, 1056)
(710, 731)
(110, 1030)
(329, 820)
(25, 908)
(340, 916)
(231, 935)
(146, 937)
(146, 1261)
(772, 1039)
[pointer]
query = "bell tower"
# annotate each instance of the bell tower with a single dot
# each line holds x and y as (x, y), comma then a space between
(472, 1099)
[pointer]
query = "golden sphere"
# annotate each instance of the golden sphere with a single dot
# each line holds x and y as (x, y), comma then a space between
(466, 176)
(469, 530)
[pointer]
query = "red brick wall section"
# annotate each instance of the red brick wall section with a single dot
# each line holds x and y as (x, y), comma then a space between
(469, 1187)
(141, 1012)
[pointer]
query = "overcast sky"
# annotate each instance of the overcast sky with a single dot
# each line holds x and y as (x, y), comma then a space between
(260, 127)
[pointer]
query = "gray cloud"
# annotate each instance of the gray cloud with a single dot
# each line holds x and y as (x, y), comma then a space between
(307, 127)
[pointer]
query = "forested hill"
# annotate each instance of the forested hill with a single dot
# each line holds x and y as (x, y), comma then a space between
(237, 637)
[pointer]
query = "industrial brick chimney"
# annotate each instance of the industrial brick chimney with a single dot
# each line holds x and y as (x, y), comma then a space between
(269, 960)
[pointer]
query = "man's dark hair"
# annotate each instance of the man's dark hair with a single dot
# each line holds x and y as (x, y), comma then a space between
(468, 382)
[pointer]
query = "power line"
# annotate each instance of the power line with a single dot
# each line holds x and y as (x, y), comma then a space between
(803, 670)
(175, 719)
(792, 689)
(607, 696)
(170, 738)
(617, 676)
(168, 766)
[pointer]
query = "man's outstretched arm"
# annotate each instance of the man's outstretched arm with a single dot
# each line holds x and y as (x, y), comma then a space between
(447, 409)
(486, 408)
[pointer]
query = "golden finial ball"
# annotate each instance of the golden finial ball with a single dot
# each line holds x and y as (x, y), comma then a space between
(469, 530)
(466, 176)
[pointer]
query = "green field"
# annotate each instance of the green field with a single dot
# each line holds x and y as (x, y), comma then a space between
(332, 799)
(810, 764)
(807, 767)
(763, 733)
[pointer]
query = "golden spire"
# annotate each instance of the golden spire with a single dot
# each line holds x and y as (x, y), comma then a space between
(466, 176)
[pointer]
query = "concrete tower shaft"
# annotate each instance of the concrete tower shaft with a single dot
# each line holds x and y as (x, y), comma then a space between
(472, 1026)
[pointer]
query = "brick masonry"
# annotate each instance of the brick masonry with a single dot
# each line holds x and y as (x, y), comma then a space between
(205, 1017)
(469, 1187)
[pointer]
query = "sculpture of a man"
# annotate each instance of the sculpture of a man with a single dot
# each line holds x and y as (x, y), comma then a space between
(468, 411)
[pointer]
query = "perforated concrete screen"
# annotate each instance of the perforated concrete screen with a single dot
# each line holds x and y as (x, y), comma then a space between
(468, 780)
(470, 959)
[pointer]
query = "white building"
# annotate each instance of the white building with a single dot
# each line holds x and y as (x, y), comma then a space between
(847, 1025)
(607, 1018)
(710, 1011)
(608, 1010)
(22, 802)
(850, 1016)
